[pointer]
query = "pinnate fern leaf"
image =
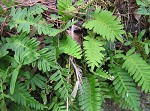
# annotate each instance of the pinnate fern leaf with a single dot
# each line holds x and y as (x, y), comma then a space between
(47, 60)
(70, 47)
(139, 69)
(106, 25)
(62, 87)
(23, 20)
(100, 72)
(37, 9)
(33, 81)
(89, 95)
(25, 49)
(56, 105)
(125, 86)
(93, 52)
(23, 97)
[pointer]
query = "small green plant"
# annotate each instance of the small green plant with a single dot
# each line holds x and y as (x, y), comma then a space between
(43, 67)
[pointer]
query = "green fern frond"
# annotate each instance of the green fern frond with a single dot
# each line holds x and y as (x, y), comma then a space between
(139, 69)
(23, 97)
(125, 86)
(25, 49)
(61, 85)
(93, 52)
(57, 106)
(36, 9)
(63, 6)
(70, 47)
(22, 20)
(89, 95)
(47, 59)
(118, 98)
(106, 25)
(100, 72)
(33, 81)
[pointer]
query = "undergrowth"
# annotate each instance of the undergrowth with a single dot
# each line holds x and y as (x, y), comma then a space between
(45, 65)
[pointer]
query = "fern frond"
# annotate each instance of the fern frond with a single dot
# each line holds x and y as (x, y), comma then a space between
(22, 19)
(126, 87)
(61, 86)
(70, 47)
(23, 97)
(93, 52)
(106, 25)
(89, 95)
(100, 72)
(139, 69)
(25, 49)
(47, 59)
(63, 6)
(118, 98)
(33, 81)
(57, 106)
(36, 9)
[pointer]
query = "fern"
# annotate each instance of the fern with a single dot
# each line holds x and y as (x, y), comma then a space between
(36, 9)
(118, 98)
(70, 47)
(64, 9)
(23, 97)
(47, 60)
(106, 25)
(139, 69)
(125, 86)
(23, 19)
(89, 96)
(144, 7)
(103, 74)
(33, 81)
(25, 49)
(93, 52)
(57, 106)
(61, 86)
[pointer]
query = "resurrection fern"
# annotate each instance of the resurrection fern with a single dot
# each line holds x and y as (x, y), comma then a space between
(93, 52)
(63, 9)
(118, 98)
(23, 97)
(25, 49)
(139, 69)
(125, 86)
(103, 74)
(70, 47)
(23, 19)
(106, 25)
(61, 86)
(89, 95)
(56, 105)
(47, 60)
(36, 9)
(33, 81)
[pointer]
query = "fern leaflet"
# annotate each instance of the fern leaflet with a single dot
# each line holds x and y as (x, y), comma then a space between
(70, 47)
(139, 69)
(33, 81)
(25, 49)
(93, 52)
(57, 106)
(89, 95)
(23, 97)
(23, 19)
(63, 88)
(47, 60)
(125, 86)
(106, 25)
